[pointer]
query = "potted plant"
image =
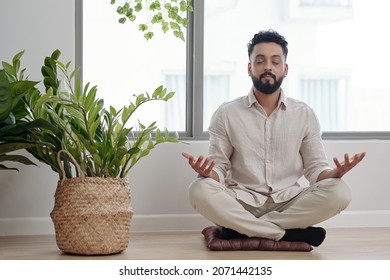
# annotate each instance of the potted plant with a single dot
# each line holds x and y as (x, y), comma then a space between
(91, 147)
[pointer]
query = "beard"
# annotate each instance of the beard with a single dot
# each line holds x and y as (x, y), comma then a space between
(266, 87)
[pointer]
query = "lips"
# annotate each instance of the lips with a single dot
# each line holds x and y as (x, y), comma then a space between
(268, 76)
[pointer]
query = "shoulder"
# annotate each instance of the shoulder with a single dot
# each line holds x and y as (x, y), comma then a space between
(229, 110)
(298, 105)
(232, 106)
(236, 104)
(300, 112)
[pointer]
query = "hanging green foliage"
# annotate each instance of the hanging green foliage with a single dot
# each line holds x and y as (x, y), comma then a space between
(169, 14)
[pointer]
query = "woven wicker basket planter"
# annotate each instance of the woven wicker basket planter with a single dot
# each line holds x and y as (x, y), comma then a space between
(92, 215)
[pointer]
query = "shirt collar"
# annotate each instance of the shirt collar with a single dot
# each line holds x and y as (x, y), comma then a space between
(252, 99)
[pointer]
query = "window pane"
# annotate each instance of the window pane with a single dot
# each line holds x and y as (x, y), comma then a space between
(118, 59)
(338, 55)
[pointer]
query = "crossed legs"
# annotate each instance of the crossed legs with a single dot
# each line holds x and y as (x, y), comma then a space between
(291, 220)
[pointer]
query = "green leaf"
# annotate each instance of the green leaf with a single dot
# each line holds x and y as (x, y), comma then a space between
(17, 56)
(93, 128)
(95, 112)
(155, 6)
(56, 54)
(74, 72)
(174, 25)
(183, 6)
(150, 145)
(179, 34)
(61, 65)
(8, 68)
(139, 99)
(97, 159)
(11, 147)
(157, 18)
(149, 35)
(144, 153)
(138, 7)
(158, 92)
(158, 137)
(8, 121)
(164, 26)
(120, 10)
(21, 87)
(50, 82)
(143, 27)
(16, 158)
(5, 96)
(133, 151)
(169, 96)
(20, 128)
(90, 99)
(47, 71)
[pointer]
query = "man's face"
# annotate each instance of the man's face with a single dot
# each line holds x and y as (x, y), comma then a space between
(267, 67)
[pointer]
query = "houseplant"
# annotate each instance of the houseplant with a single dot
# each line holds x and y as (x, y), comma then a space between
(91, 147)
(65, 127)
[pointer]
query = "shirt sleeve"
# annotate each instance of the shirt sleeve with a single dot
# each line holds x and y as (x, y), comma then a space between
(312, 150)
(220, 148)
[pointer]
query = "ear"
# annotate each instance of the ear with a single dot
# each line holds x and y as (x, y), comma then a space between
(285, 69)
(249, 68)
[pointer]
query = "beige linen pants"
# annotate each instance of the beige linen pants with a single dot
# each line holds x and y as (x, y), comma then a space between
(313, 205)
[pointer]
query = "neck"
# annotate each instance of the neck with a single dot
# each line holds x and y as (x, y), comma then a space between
(268, 101)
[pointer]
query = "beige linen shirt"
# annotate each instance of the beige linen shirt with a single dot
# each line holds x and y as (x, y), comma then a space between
(260, 156)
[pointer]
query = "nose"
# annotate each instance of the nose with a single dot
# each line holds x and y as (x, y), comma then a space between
(267, 68)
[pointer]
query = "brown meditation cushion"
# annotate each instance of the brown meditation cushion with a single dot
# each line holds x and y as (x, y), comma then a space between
(214, 243)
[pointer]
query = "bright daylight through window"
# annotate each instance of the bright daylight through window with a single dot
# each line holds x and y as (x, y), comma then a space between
(122, 63)
(338, 58)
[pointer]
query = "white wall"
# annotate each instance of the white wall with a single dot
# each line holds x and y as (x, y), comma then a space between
(159, 182)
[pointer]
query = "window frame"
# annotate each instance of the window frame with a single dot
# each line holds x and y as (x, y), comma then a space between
(194, 79)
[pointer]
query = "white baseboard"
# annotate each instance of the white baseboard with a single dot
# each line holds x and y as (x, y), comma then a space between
(154, 223)
(187, 222)
(361, 219)
(26, 226)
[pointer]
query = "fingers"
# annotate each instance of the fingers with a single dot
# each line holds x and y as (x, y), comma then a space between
(348, 163)
(346, 159)
(202, 166)
(359, 157)
(206, 168)
(187, 155)
(336, 162)
(191, 159)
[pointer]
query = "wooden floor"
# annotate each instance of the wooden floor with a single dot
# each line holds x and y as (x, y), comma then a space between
(340, 244)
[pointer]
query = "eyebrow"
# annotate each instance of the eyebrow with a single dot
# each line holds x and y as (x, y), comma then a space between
(272, 56)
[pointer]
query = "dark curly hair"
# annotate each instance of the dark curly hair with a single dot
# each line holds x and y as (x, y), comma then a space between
(268, 36)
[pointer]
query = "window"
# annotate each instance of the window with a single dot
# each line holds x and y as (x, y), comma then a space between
(328, 98)
(325, 3)
(338, 58)
(118, 59)
(216, 91)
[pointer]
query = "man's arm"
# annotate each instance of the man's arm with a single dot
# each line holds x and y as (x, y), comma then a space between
(341, 168)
